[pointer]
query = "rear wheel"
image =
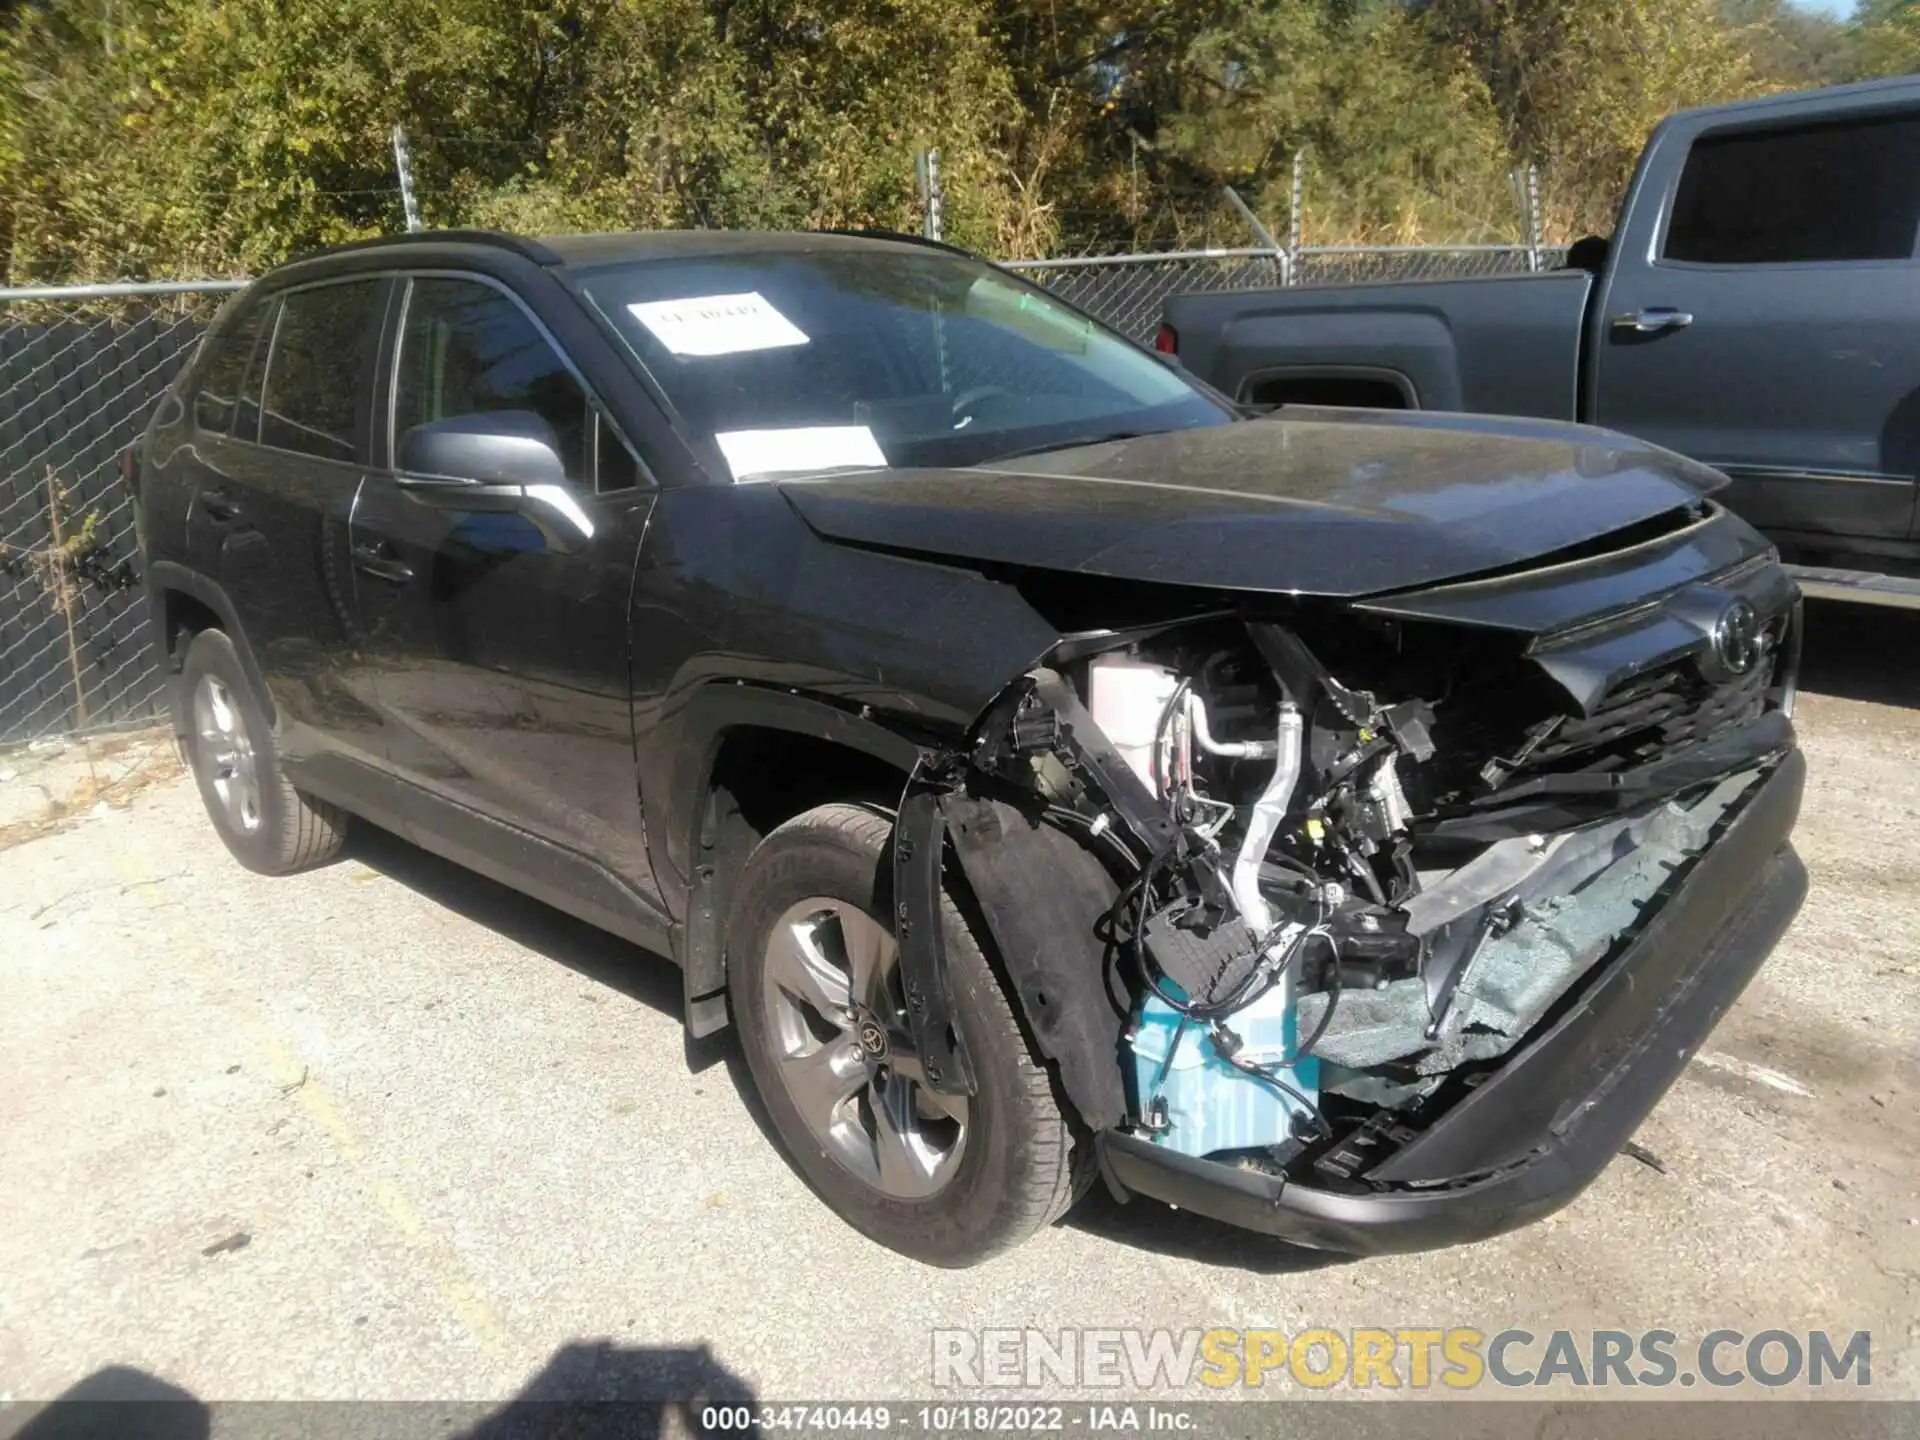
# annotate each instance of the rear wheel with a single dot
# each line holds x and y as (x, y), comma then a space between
(814, 976)
(266, 824)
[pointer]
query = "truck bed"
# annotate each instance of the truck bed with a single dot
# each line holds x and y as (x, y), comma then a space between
(1501, 344)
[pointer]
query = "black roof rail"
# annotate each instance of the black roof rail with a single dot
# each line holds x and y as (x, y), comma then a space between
(519, 244)
(871, 232)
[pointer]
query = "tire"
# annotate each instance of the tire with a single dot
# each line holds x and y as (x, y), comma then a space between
(269, 826)
(975, 1186)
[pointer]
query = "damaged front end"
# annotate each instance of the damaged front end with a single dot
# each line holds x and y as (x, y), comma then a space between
(1364, 926)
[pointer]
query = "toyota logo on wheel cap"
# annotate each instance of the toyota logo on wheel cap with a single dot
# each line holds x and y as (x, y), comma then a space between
(873, 1039)
(1736, 637)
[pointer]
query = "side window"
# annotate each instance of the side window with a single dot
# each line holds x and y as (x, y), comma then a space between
(220, 383)
(1845, 190)
(468, 349)
(614, 467)
(319, 370)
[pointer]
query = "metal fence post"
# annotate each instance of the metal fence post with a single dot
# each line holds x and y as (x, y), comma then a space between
(1533, 217)
(1293, 214)
(1519, 190)
(933, 200)
(1260, 233)
(403, 166)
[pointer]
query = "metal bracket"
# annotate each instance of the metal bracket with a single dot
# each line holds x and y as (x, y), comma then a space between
(1134, 805)
(919, 844)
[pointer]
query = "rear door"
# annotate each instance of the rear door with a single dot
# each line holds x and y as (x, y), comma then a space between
(1766, 317)
(500, 639)
(270, 508)
(208, 458)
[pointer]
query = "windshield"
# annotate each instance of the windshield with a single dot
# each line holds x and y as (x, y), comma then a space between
(794, 361)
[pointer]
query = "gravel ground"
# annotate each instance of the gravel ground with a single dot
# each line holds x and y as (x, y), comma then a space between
(390, 1131)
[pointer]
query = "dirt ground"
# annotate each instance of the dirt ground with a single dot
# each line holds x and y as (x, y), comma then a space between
(390, 1131)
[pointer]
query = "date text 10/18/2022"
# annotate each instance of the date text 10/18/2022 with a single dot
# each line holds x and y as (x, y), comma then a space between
(947, 1418)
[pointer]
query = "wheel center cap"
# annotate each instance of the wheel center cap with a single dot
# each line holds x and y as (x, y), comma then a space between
(872, 1036)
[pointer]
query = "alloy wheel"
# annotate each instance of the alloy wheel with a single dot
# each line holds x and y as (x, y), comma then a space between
(846, 1054)
(225, 753)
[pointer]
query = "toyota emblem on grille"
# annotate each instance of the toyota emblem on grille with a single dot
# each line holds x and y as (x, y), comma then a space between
(1736, 637)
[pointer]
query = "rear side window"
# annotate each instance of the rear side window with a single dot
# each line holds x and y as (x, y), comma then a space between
(467, 349)
(221, 381)
(319, 372)
(1839, 191)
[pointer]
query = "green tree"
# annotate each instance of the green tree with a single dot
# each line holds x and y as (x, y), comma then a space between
(1580, 84)
(1887, 37)
(1400, 137)
(1792, 48)
(169, 137)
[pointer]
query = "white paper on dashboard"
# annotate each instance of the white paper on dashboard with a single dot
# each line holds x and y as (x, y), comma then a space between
(813, 447)
(718, 324)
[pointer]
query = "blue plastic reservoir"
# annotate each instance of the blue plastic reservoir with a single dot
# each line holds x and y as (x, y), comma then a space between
(1210, 1105)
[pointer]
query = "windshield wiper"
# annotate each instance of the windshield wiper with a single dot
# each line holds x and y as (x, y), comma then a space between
(1072, 444)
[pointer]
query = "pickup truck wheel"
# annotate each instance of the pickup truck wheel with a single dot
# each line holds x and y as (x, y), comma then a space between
(267, 825)
(813, 973)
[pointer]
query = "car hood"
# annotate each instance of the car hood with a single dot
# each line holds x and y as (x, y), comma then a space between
(1323, 502)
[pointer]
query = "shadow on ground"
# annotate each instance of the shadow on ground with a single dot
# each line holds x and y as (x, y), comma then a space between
(585, 1390)
(1144, 1224)
(654, 980)
(1862, 652)
(587, 950)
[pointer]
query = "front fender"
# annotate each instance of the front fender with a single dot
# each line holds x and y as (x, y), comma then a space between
(684, 818)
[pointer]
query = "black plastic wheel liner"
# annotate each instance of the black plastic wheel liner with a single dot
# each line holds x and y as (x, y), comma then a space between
(1041, 894)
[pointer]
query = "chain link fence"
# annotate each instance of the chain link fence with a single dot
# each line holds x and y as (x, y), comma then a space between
(81, 368)
(1129, 291)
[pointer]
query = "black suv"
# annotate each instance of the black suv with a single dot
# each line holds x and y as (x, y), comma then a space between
(1345, 824)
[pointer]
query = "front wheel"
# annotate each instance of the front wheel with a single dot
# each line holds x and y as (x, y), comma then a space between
(814, 976)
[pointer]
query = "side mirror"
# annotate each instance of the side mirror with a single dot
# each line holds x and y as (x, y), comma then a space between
(501, 461)
(497, 447)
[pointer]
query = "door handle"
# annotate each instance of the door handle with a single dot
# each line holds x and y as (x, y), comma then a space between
(378, 560)
(217, 504)
(1653, 320)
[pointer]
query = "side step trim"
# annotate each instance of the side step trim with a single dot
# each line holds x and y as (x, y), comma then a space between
(1861, 586)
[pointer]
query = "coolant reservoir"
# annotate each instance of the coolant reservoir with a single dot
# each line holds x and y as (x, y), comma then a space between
(1208, 1105)
(1126, 698)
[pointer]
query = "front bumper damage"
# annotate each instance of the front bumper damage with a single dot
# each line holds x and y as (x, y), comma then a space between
(1190, 841)
(1535, 1134)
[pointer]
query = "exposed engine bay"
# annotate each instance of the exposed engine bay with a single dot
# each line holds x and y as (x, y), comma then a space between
(1358, 862)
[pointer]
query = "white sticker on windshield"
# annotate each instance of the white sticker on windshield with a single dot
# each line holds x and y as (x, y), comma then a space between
(754, 453)
(718, 324)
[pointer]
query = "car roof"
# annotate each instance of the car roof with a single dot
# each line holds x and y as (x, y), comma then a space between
(591, 252)
(1894, 89)
(585, 252)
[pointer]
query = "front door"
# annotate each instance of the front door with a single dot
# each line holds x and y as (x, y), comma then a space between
(1773, 336)
(499, 637)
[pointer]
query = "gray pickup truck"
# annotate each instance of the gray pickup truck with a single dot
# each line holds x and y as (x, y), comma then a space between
(1757, 308)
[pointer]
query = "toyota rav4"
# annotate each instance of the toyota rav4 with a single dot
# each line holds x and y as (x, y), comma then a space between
(1343, 824)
